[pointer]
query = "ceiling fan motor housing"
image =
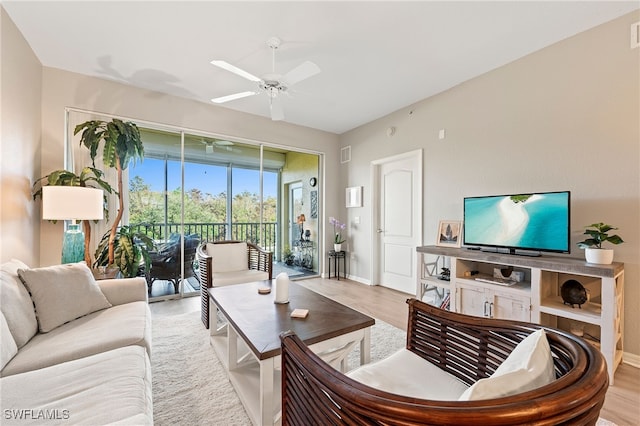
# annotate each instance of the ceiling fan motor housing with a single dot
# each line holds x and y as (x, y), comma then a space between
(273, 87)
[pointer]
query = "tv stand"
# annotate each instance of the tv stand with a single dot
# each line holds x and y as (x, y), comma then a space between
(536, 297)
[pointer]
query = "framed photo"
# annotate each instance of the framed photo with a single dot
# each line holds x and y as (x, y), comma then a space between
(449, 233)
(354, 197)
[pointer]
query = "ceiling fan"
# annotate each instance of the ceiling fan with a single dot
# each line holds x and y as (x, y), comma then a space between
(272, 84)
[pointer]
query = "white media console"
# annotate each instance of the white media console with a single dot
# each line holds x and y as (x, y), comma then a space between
(536, 298)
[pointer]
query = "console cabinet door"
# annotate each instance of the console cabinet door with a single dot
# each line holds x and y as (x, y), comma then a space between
(471, 300)
(483, 302)
(512, 307)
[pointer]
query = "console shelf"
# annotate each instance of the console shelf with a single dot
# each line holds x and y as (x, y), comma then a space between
(537, 297)
(590, 312)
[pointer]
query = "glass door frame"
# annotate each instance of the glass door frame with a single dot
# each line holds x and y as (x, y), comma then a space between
(69, 151)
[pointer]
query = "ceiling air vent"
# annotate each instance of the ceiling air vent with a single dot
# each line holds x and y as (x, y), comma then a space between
(635, 35)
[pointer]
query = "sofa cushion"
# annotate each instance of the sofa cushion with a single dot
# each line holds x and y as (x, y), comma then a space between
(8, 348)
(16, 304)
(528, 367)
(119, 326)
(228, 257)
(107, 388)
(405, 373)
(62, 293)
(221, 279)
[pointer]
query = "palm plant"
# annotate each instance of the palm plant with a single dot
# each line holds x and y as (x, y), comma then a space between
(121, 144)
(88, 177)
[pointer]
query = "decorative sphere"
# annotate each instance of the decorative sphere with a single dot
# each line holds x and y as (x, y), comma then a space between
(573, 293)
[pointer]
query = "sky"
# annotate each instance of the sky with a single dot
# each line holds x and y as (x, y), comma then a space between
(207, 178)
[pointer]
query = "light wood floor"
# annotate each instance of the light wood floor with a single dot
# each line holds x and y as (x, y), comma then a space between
(622, 404)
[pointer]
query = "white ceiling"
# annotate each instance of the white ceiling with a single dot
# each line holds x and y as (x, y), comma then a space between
(375, 57)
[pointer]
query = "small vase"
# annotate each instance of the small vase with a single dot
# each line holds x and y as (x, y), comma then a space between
(337, 247)
(599, 256)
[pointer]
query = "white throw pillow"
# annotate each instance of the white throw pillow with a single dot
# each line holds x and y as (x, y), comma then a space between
(62, 293)
(9, 349)
(528, 367)
(16, 304)
(228, 257)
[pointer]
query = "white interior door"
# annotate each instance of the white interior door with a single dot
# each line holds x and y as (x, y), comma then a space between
(399, 221)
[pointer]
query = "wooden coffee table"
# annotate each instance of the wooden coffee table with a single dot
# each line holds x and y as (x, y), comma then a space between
(249, 347)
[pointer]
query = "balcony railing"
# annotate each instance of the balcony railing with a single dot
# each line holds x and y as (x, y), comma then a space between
(263, 234)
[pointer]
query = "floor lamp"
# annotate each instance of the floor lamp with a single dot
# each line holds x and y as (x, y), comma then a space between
(72, 203)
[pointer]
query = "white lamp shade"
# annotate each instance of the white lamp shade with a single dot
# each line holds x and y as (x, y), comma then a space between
(71, 203)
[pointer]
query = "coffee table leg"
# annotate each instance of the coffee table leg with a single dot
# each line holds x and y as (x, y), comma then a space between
(266, 390)
(232, 348)
(365, 347)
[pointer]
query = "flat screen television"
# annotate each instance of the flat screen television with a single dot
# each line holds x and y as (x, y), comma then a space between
(519, 223)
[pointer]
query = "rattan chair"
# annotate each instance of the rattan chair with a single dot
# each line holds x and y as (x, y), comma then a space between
(166, 264)
(258, 259)
(467, 347)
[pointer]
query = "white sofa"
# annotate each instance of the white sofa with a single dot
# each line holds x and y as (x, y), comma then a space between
(74, 351)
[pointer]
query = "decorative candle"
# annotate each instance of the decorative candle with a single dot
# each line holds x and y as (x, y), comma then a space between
(282, 288)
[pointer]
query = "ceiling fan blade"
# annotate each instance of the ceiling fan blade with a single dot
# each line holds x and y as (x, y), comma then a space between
(223, 99)
(275, 104)
(242, 73)
(301, 72)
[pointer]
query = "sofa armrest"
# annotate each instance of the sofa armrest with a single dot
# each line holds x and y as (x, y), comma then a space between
(119, 291)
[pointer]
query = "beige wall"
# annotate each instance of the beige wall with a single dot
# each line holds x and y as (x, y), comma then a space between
(563, 118)
(20, 91)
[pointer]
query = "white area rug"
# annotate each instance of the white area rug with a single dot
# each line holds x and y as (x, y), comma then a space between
(190, 386)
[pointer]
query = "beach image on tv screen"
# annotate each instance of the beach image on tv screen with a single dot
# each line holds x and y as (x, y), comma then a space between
(534, 221)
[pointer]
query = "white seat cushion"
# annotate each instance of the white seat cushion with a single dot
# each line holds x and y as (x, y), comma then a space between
(528, 367)
(405, 373)
(116, 327)
(107, 388)
(221, 279)
(228, 257)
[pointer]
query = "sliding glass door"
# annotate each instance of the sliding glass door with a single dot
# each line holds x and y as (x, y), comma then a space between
(193, 188)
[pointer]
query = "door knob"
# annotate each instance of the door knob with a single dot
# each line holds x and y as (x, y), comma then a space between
(380, 231)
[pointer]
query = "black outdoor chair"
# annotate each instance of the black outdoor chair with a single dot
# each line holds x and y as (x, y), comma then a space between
(165, 262)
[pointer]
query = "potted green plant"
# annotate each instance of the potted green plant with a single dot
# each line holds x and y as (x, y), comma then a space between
(287, 256)
(131, 251)
(598, 233)
(121, 144)
(88, 177)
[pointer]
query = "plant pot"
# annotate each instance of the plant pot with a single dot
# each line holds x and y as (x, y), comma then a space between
(337, 247)
(599, 256)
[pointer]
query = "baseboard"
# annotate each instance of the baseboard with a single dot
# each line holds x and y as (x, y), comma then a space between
(631, 359)
(359, 279)
(349, 277)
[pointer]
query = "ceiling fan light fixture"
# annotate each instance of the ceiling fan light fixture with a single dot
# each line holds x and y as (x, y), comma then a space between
(271, 84)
